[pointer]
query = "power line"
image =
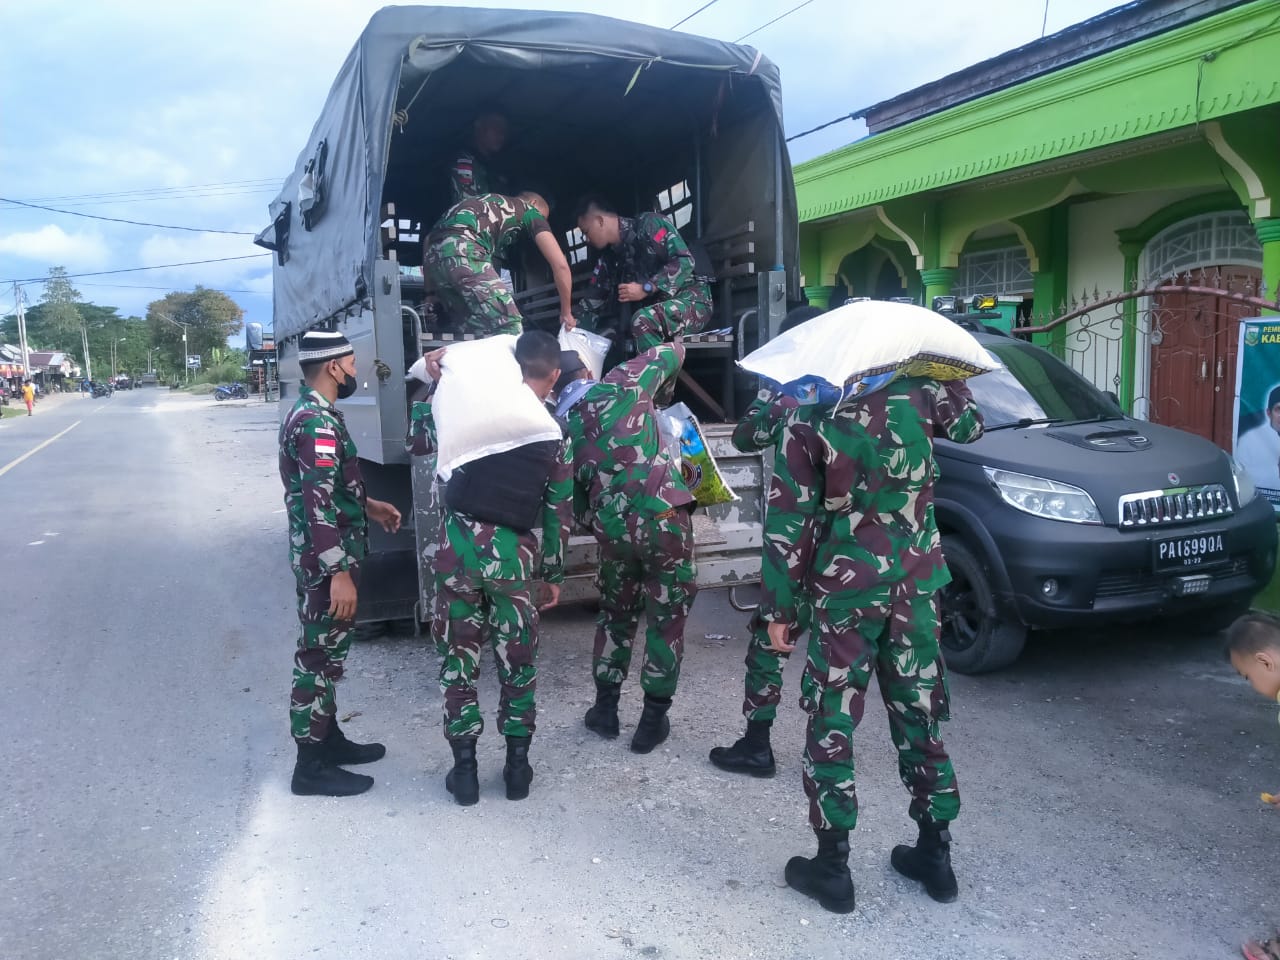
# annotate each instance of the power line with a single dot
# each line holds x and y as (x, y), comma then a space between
(139, 286)
(158, 266)
(136, 223)
(262, 182)
(774, 20)
(857, 115)
(694, 14)
(171, 197)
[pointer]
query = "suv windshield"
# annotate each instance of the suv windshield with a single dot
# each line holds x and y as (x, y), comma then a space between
(1036, 387)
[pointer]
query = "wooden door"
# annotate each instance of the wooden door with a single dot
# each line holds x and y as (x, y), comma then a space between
(1195, 338)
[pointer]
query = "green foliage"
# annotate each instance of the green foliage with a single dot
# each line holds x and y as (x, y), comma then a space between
(229, 371)
(208, 317)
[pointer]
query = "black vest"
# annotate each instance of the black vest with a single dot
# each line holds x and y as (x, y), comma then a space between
(507, 488)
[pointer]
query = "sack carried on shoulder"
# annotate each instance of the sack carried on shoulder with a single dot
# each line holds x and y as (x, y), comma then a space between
(865, 346)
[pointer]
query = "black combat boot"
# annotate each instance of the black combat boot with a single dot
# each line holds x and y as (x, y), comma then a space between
(342, 751)
(654, 727)
(929, 861)
(314, 775)
(517, 773)
(463, 780)
(602, 716)
(750, 754)
(826, 876)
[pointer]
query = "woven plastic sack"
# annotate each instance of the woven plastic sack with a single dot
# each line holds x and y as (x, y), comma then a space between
(482, 405)
(697, 466)
(591, 347)
(865, 346)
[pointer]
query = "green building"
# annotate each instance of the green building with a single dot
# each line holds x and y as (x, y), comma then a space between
(1116, 185)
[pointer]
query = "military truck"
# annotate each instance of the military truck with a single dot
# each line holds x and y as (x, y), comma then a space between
(650, 118)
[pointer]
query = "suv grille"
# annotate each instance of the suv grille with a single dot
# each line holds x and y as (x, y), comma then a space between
(1179, 505)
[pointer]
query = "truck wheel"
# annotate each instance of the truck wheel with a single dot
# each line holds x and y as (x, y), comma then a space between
(975, 639)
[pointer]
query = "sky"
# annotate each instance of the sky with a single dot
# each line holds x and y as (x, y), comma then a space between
(193, 114)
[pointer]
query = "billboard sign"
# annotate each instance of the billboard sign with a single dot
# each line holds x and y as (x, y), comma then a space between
(1257, 404)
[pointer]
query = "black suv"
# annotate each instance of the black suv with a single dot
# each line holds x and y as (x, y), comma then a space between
(1069, 513)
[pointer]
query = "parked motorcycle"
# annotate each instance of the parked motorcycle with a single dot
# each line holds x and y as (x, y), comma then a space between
(101, 390)
(231, 391)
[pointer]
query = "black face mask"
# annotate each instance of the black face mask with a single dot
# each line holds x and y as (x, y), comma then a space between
(347, 387)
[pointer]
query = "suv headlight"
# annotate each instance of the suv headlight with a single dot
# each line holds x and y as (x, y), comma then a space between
(1044, 498)
(1245, 489)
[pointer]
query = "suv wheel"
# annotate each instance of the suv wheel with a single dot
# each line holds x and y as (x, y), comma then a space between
(975, 639)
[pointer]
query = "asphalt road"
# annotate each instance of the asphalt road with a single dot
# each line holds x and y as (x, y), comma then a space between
(1110, 783)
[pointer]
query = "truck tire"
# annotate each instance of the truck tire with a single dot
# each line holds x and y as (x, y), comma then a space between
(975, 638)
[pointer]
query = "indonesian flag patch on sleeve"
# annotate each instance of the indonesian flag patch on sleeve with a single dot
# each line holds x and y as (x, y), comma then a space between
(326, 452)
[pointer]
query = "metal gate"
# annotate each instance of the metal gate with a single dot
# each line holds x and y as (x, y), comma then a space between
(1166, 349)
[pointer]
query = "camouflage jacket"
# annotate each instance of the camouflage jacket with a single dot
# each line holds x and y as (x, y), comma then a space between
(790, 429)
(323, 490)
(471, 177)
(490, 222)
(866, 514)
(649, 250)
(491, 551)
(620, 471)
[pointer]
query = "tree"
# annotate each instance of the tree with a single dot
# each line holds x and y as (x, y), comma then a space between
(209, 318)
(62, 322)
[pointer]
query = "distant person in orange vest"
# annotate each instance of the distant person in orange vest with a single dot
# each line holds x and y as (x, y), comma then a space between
(28, 395)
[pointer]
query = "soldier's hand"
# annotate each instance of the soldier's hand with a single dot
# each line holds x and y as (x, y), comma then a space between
(778, 633)
(568, 321)
(554, 590)
(384, 514)
(433, 359)
(342, 596)
(630, 292)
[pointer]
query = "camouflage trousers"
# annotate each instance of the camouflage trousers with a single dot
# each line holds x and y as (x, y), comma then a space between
(467, 610)
(898, 642)
(662, 322)
(652, 571)
(476, 298)
(763, 684)
(318, 663)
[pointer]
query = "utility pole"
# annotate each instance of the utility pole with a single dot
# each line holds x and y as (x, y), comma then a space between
(84, 339)
(22, 333)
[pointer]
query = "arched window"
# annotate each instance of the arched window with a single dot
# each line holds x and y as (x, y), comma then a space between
(1211, 240)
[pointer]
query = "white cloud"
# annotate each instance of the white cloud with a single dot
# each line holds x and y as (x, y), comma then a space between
(53, 245)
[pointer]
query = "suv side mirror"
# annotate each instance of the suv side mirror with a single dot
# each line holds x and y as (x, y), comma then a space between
(1111, 395)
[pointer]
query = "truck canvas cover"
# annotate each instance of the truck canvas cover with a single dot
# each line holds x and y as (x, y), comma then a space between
(607, 93)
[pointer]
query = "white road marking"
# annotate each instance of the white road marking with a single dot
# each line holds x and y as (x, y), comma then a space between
(36, 449)
(35, 543)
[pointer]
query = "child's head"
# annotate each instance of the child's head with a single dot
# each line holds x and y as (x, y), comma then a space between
(1253, 647)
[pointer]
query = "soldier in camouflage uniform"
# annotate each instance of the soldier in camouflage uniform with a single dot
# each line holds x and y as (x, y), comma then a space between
(459, 255)
(872, 576)
(639, 509)
(484, 575)
(643, 261)
(775, 421)
(470, 175)
(325, 499)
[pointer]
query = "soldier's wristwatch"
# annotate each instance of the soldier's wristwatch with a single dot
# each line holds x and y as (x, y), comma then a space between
(647, 287)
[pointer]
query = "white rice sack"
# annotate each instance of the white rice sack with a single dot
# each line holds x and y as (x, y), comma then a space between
(864, 346)
(482, 405)
(591, 347)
